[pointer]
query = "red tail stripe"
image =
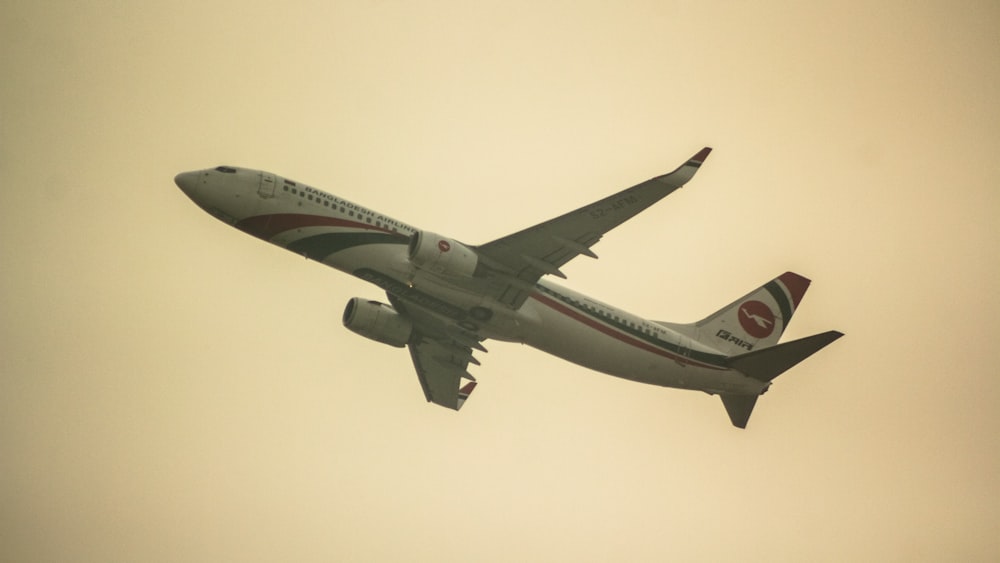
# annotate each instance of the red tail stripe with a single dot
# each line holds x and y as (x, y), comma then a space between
(796, 286)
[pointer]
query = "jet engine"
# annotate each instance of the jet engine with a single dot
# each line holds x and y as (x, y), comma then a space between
(441, 255)
(377, 321)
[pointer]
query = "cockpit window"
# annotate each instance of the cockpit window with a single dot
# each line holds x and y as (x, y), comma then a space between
(226, 169)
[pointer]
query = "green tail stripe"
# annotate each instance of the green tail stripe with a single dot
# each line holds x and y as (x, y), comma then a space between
(784, 304)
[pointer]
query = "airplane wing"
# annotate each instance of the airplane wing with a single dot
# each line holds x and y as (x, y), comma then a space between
(441, 355)
(517, 261)
(441, 367)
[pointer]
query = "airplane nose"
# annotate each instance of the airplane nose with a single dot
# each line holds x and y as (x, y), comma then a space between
(186, 181)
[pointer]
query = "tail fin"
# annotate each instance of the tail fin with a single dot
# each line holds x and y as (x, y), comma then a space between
(768, 363)
(752, 322)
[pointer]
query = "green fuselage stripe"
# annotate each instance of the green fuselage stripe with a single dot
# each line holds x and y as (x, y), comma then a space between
(320, 246)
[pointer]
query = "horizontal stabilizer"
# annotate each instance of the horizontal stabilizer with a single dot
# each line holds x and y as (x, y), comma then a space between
(766, 364)
(739, 408)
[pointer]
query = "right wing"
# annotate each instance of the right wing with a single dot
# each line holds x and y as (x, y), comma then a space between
(520, 259)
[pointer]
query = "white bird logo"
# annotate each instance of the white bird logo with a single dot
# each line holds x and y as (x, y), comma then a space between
(761, 321)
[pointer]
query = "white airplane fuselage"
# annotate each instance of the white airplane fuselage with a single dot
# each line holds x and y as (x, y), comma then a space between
(373, 247)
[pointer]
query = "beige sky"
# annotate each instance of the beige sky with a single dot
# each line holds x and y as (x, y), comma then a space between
(173, 390)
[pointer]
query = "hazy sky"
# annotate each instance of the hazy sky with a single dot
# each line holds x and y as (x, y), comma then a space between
(174, 390)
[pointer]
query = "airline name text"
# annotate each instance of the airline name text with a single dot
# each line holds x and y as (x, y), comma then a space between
(361, 211)
(730, 337)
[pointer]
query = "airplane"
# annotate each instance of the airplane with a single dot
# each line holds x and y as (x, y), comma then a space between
(446, 297)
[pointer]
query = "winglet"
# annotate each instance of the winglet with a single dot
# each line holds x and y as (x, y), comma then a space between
(464, 392)
(686, 171)
(697, 159)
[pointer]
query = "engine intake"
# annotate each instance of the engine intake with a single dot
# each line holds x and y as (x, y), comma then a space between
(442, 255)
(377, 321)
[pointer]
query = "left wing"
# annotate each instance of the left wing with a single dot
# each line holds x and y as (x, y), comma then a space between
(520, 259)
(440, 368)
(441, 355)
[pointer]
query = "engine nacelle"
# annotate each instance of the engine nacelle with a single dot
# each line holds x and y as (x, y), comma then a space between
(377, 321)
(441, 255)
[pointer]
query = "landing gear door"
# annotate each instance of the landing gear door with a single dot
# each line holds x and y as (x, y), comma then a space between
(266, 189)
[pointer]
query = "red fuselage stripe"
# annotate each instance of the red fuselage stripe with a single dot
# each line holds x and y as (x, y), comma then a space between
(614, 333)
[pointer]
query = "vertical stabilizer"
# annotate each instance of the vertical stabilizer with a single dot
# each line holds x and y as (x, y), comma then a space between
(754, 321)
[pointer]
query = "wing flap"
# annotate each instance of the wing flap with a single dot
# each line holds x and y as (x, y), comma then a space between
(440, 369)
(441, 355)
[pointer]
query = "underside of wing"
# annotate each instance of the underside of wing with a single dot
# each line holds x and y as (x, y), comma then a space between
(441, 368)
(518, 261)
(441, 355)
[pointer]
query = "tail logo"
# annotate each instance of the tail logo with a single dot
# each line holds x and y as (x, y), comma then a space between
(444, 246)
(756, 319)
